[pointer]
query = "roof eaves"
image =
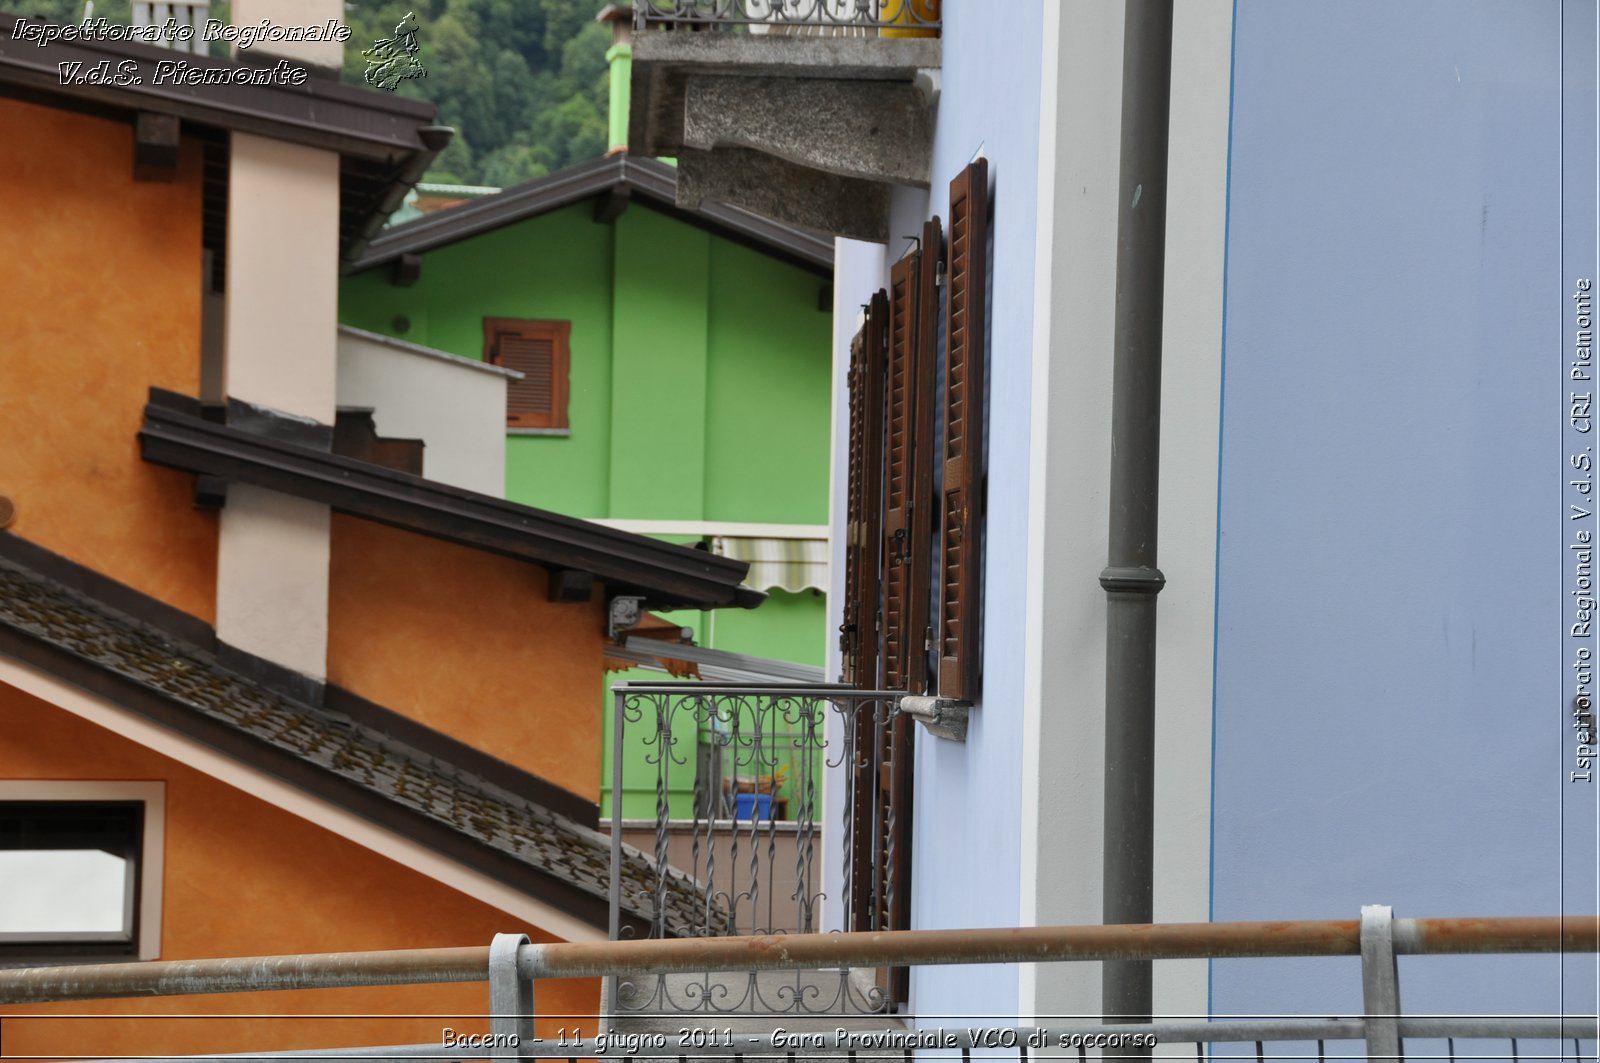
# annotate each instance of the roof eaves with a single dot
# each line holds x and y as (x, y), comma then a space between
(175, 433)
(372, 125)
(652, 182)
(321, 750)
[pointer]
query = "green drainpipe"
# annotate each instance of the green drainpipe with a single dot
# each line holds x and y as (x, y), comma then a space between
(620, 58)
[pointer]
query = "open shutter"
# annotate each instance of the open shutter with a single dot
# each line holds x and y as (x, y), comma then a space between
(865, 536)
(960, 514)
(850, 636)
(539, 350)
(908, 484)
(858, 634)
(899, 415)
(923, 511)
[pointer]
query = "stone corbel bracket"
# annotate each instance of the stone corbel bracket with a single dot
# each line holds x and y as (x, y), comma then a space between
(811, 131)
(943, 717)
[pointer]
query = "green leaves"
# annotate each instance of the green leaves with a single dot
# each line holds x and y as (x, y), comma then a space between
(523, 81)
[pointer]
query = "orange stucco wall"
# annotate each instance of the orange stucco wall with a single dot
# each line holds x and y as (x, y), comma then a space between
(242, 878)
(101, 276)
(468, 643)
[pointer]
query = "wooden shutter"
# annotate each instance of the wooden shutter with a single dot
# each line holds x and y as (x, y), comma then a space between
(850, 640)
(539, 351)
(965, 399)
(865, 536)
(900, 411)
(864, 509)
(908, 483)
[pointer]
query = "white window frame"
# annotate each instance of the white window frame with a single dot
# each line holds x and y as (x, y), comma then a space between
(153, 847)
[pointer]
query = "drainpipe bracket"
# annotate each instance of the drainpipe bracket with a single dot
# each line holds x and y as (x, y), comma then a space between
(943, 717)
(1132, 579)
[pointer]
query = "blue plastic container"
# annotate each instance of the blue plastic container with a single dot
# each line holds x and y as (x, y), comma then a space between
(752, 806)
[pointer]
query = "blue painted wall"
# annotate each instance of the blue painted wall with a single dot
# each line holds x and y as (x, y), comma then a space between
(967, 841)
(1391, 654)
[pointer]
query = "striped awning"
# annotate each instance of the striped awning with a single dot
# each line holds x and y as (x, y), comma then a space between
(793, 565)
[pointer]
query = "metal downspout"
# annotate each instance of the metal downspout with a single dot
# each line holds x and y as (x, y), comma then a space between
(1131, 578)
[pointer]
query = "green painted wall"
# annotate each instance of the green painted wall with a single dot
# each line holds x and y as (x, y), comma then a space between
(699, 391)
(658, 421)
(769, 413)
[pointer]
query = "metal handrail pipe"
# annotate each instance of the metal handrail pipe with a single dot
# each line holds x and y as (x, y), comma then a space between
(1158, 941)
(245, 974)
(1147, 941)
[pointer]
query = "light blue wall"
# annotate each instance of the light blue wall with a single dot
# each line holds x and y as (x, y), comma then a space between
(1390, 718)
(967, 845)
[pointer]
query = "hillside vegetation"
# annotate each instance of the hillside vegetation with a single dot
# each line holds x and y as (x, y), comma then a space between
(522, 81)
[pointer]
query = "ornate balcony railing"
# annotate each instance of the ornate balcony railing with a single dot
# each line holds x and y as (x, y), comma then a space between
(733, 777)
(759, 16)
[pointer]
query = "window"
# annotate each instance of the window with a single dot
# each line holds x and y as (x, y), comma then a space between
(904, 600)
(79, 871)
(539, 350)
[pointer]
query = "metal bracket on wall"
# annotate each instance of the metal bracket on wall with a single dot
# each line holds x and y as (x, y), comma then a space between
(510, 1001)
(943, 717)
(1380, 983)
(622, 615)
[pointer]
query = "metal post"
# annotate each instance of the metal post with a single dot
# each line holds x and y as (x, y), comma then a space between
(510, 1001)
(1380, 983)
(614, 889)
(1131, 578)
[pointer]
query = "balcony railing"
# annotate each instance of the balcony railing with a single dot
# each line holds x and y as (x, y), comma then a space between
(919, 17)
(511, 964)
(728, 781)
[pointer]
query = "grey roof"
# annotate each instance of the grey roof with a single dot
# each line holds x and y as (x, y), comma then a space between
(121, 648)
(634, 178)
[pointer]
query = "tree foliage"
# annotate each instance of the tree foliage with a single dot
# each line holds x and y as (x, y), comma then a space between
(522, 81)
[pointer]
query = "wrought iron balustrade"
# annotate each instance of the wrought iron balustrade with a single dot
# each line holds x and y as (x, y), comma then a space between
(856, 17)
(729, 779)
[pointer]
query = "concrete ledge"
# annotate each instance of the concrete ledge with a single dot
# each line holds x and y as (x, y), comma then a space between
(663, 61)
(862, 129)
(798, 195)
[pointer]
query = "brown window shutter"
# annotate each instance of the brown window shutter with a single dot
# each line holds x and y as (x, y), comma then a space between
(864, 507)
(855, 523)
(960, 515)
(900, 411)
(865, 536)
(908, 487)
(540, 351)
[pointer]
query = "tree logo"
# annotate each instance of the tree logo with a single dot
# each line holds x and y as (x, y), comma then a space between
(393, 60)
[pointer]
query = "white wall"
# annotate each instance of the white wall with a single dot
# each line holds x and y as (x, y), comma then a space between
(281, 308)
(456, 406)
(1063, 705)
(1075, 299)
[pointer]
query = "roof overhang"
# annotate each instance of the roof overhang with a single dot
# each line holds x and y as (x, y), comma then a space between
(385, 142)
(177, 433)
(638, 180)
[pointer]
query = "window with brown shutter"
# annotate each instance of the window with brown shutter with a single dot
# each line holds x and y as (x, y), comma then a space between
(864, 514)
(960, 515)
(908, 486)
(539, 350)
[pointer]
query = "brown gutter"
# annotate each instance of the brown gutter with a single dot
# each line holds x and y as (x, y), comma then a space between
(1169, 941)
